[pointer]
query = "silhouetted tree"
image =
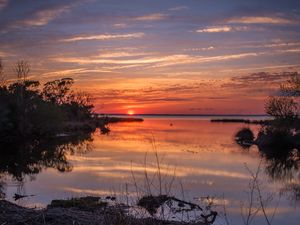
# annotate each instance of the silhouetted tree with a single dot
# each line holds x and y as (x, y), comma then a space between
(244, 137)
(2, 78)
(282, 108)
(58, 91)
(22, 69)
(285, 107)
(292, 86)
(79, 107)
(27, 111)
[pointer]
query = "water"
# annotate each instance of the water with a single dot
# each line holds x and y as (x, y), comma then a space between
(197, 159)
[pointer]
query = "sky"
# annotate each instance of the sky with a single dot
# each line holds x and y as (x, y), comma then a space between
(157, 56)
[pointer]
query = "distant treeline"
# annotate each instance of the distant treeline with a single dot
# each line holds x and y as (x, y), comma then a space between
(233, 120)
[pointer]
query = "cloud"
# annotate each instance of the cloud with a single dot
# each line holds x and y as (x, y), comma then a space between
(294, 66)
(186, 59)
(104, 37)
(290, 50)
(122, 54)
(259, 84)
(42, 17)
(145, 60)
(120, 25)
(151, 17)
(3, 4)
(72, 72)
(263, 77)
(178, 8)
(208, 48)
(261, 20)
(152, 94)
(221, 29)
(3, 54)
(154, 61)
(215, 29)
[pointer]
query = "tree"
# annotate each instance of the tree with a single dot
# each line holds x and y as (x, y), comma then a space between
(292, 86)
(286, 106)
(2, 78)
(58, 91)
(22, 69)
(282, 108)
(29, 112)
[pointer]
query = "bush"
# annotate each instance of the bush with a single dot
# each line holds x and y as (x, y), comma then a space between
(28, 112)
(275, 139)
(244, 137)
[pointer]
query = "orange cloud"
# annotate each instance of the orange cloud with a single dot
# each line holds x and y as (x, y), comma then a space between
(158, 61)
(215, 29)
(43, 17)
(261, 20)
(151, 17)
(104, 37)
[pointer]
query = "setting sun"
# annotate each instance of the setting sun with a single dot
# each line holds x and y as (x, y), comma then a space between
(130, 112)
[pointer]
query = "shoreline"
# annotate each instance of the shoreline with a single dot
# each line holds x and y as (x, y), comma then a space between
(245, 121)
(88, 210)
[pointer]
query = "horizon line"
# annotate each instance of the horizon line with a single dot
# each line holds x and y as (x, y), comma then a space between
(178, 114)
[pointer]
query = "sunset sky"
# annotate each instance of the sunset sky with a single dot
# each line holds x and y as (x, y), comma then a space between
(157, 56)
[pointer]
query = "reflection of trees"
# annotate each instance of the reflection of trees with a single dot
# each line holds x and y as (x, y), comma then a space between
(279, 145)
(279, 139)
(283, 165)
(30, 158)
(2, 193)
(293, 191)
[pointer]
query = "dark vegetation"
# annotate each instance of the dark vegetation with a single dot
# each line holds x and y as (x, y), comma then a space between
(107, 120)
(40, 124)
(152, 203)
(239, 121)
(278, 140)
(31, 111)
(282, 133)
(89, 203)
(20, 159)
(244, 137)
(84, 211)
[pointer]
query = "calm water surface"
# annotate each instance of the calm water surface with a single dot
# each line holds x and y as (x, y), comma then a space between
(202, 156)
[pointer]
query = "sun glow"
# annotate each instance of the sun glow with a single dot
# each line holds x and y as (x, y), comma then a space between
(130, 112)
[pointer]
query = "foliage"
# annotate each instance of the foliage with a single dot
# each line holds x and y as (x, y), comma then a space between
(275, 138)
(22, 69)
(285, 107)
(2, 78)
(292, 86)
(78, 107)
(244, 137)
(281, 107)
(281, 134)
(27, 110)
(58, 91)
